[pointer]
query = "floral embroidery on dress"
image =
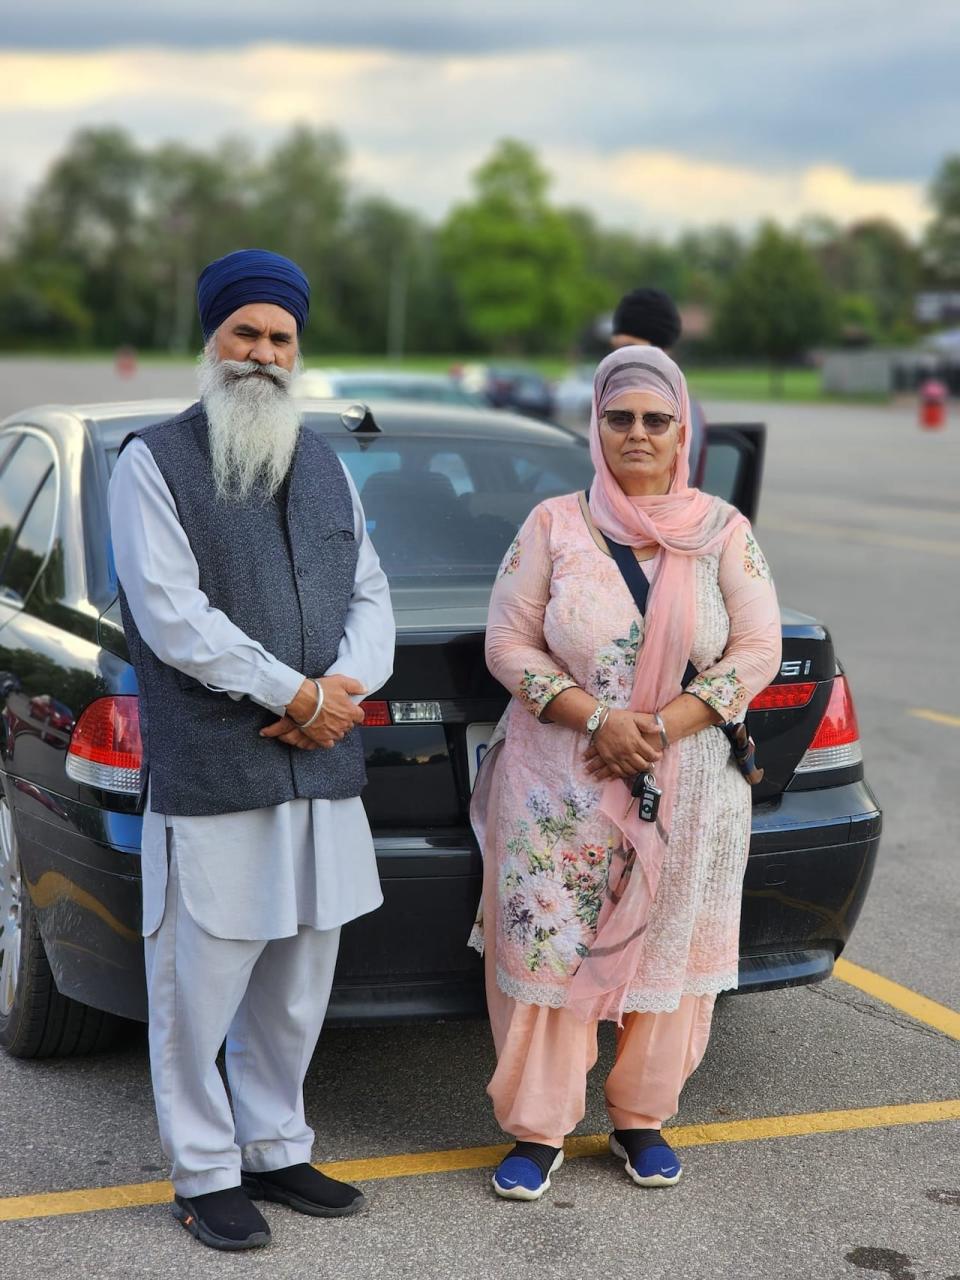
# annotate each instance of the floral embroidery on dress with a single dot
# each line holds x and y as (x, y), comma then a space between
(613, 678)
(725, 692)
(754, 562)
(552, 884)
(537, 688)
(511, 561)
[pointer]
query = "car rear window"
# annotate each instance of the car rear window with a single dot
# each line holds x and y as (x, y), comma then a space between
(447, 507)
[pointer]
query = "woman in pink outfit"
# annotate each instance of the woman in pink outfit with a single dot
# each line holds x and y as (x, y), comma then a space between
(590, 911)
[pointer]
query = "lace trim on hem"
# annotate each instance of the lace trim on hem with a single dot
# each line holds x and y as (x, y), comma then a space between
(476, 939)
(555, 997)
(668, 1001)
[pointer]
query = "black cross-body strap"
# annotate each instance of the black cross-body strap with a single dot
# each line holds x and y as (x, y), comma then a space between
(740, 742)
(639, 587)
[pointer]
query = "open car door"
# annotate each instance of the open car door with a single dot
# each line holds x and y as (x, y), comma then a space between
(733, 468)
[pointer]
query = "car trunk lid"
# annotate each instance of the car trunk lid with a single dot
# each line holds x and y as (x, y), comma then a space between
(421, 773)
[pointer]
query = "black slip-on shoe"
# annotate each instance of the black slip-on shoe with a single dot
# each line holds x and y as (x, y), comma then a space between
(306, 1189)
(223, 1219)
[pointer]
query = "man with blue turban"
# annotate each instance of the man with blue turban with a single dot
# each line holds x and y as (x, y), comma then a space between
(257, 617)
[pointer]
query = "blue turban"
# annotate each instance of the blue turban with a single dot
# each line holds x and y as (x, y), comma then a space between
(250, 275)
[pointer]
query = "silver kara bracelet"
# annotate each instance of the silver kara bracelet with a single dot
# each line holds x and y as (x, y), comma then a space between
(316, 715)
(604, 717)
(664, 740)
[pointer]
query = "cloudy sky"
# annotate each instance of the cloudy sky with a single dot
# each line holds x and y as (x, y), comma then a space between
(655, 115)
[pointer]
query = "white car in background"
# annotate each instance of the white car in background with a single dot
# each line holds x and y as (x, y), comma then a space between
(374, 384)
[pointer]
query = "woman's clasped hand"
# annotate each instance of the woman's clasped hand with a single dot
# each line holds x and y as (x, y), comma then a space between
(627, 743)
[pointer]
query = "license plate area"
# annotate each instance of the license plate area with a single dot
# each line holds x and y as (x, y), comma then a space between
(477, 737)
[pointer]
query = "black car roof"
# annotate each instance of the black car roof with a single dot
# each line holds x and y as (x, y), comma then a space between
(111, 422)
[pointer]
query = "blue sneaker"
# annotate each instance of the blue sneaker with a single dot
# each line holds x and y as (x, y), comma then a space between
(524, 1173)
(648, 1158)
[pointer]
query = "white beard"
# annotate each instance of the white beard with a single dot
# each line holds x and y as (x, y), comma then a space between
(254, 425)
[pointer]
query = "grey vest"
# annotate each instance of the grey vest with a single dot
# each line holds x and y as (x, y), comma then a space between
(283, 571)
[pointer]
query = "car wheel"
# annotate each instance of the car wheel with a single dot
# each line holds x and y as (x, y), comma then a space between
(36, 1021)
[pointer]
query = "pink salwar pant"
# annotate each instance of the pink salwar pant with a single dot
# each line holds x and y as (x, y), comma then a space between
(544, 1056)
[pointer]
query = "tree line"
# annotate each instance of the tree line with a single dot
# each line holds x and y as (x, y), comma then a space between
(106, 251)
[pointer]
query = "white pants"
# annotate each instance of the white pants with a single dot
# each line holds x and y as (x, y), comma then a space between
(268, 1000)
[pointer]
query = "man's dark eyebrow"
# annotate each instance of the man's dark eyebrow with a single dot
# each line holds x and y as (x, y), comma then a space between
(245, 330)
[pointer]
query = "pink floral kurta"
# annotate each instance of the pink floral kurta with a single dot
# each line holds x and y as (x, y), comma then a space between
(561, 615)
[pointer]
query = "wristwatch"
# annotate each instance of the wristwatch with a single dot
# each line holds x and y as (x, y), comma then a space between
(593, 724)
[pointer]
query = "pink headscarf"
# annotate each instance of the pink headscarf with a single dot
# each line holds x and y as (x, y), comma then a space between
(684, 523)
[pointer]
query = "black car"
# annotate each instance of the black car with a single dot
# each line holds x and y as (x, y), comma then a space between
(518, 389)
(444, 491)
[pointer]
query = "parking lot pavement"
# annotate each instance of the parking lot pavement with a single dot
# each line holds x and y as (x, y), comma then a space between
(766, 1204)
(860, 519)
(26, 381)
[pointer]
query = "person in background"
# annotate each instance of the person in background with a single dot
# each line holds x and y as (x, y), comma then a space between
(649, 318)
(257, 616)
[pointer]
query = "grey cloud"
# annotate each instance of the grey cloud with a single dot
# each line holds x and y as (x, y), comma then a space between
(463, 26)
(867, 84)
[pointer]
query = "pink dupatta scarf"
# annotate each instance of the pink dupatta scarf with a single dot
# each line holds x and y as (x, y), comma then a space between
(684, 523)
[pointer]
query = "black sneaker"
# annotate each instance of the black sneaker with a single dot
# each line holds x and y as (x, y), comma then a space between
(306, 1189)
(223, 1219)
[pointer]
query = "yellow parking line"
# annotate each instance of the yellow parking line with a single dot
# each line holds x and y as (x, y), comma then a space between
(54, 1203)
(910, 1002)
(938, 717)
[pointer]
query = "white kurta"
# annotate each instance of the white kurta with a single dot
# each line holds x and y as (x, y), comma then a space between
(261, 873)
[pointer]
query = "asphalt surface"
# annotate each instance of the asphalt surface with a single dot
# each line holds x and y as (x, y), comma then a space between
(860, 520)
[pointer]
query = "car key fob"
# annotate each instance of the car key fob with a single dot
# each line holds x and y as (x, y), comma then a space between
(648, 793)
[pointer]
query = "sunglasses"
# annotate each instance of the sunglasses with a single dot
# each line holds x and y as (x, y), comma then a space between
(622, 420)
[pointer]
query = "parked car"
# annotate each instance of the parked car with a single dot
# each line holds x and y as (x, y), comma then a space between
(573, 395)
(375, 385)
(444, 490)
(522, 390)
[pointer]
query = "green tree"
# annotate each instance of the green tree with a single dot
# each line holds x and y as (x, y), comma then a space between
(515, 261)
(41, 302)
(875, 260)
(300, 195)
(86, 213)
(858, 324)
(777, 304)
(397, 297)
(710, 257)
(197, 207)
(942, 240)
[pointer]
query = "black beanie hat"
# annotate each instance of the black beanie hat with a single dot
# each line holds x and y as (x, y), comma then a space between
(649, 314)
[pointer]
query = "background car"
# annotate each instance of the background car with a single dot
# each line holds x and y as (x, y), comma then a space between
(444, 491)
(375, 385)
(520, 389)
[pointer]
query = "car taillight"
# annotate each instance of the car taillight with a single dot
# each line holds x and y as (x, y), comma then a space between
(375, 714)
(105, 749)
(836, 742)
(783, 697)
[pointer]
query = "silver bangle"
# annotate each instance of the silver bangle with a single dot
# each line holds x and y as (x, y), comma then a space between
(664, 740)
(604, 717)
(316, 715)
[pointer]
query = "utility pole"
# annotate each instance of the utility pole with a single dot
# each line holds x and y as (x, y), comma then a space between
(397, 307)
